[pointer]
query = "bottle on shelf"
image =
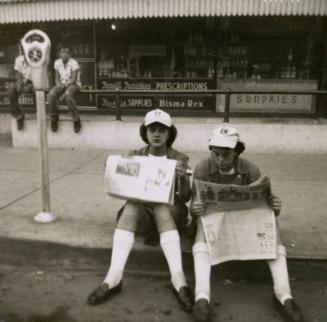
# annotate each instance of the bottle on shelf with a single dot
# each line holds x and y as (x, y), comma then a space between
(211, 71)
(291, 68)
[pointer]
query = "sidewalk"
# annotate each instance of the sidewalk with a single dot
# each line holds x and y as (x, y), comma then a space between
(87, 217)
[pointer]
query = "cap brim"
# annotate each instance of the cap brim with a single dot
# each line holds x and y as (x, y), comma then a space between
(157, 121)
(223, 144)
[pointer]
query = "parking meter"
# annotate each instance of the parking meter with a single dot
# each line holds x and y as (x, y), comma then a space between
(36, 46)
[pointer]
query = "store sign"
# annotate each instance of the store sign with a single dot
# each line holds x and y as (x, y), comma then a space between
(143, 102)
(24, 100)
(270, 102)
(169, 101)
(156, 84)
(147, 50)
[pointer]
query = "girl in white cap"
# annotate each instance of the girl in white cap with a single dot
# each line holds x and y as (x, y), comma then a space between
(226, 167)
(159, 133)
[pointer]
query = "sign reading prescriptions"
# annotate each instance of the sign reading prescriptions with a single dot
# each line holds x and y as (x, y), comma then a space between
(238, 223)
(141, 178)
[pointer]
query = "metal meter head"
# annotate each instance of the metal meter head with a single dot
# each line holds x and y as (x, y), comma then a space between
(36, 46)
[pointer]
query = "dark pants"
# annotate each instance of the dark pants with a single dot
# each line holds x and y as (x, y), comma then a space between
(68, 94)
(13, 93)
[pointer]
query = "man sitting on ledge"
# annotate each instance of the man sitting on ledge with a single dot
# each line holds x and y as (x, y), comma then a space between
(22, 85)
(68, 84)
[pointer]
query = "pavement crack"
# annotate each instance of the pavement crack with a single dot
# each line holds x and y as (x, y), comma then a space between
(51, 181)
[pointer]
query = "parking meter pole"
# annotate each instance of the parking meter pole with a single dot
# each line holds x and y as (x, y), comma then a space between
(36, 45)
(43, 150)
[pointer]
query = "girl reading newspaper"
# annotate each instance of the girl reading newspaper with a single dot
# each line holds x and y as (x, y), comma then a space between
(159, 133)
(224, 166)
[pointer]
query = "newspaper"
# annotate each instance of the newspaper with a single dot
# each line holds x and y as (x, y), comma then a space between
(141, 178)
(238, 224)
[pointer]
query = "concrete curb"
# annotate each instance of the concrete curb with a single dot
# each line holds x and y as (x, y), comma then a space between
(46, 255)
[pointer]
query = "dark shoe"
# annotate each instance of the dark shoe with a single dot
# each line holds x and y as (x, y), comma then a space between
(20, 123)
(103, 293)
(77, 126)
(185, 298)
(54, 125)
(202, 311)
(289, 311)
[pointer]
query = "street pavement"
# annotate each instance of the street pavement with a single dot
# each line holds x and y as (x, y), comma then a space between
(29, 294)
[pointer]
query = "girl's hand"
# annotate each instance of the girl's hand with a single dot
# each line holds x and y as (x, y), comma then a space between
(275, 204)
(180, 169)
(197, 208)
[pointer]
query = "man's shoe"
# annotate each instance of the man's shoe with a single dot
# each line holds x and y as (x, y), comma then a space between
(185, 298)
(54, 125)
(20, 123)
(103, 293)
(289, 311)
(202, 311)
(77, 126)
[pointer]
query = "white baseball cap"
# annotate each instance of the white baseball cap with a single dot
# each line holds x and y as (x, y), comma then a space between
(158, 116)
(224, 136)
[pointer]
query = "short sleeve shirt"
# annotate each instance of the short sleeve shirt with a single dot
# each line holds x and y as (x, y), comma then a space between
(66, 70)
(245, 172)
(22, 67)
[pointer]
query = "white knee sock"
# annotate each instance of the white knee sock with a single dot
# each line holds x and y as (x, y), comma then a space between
(202, 269)
(171, 246)
(278, 269)
(123, 241)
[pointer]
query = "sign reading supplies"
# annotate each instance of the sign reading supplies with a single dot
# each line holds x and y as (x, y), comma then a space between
(238, 224)
(146, 179)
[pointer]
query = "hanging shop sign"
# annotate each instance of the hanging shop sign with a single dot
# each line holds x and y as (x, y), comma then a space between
(147, 50)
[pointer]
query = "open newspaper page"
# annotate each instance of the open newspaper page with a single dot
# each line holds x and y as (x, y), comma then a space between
(238, 224)
(140, 178)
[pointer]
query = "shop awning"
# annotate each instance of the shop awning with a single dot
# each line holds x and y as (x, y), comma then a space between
(13, 11)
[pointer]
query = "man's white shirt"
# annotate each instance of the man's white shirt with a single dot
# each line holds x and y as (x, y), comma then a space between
(22, 67)
(66, 70)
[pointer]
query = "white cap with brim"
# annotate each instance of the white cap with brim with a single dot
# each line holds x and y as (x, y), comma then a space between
(158, 116)
(225, 137)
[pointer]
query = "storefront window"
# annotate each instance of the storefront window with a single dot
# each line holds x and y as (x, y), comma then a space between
(254, 53)
(270, 53)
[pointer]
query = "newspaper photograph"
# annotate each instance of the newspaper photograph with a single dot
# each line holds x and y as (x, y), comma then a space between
(140, 178)
(238, 224)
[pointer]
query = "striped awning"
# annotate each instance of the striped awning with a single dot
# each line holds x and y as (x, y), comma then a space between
(13, 11)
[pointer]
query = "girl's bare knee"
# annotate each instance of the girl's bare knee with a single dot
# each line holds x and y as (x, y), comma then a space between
(129, 217)
(164, 218)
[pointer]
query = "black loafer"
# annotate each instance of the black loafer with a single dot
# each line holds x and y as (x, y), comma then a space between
(54, 125)
(185, 298)
(202, 311)
(290, 311)
(77, 126)
(20, 123)
(103, 293)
